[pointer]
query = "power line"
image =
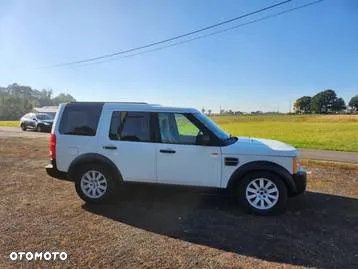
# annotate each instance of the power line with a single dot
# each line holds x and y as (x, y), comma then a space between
(172, 38)
(207, 35)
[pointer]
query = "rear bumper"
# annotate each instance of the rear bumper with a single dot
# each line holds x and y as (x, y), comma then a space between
(300, 180)
(52, 171)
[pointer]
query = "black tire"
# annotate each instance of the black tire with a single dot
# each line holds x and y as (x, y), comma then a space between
(111, 184)
(39, 128)
(244, 192)
(23, 127)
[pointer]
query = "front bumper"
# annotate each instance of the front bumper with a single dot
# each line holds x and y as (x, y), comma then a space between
(47, 127)
(52, 171)
(300, 180)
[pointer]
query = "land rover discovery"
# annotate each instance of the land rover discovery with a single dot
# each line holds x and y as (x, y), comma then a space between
(100, 146)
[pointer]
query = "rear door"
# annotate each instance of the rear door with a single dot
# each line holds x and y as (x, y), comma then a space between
(32, 120)
(128, 142)
(26, 120)
(77, 132)
(180, 160)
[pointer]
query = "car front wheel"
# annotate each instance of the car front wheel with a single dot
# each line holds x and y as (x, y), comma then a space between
(262, 193)
(94, 183)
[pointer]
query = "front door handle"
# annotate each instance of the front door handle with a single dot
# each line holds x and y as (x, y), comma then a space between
(167, 151)
(110, 147)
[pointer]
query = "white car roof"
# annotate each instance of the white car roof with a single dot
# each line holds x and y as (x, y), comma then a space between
(147, 107)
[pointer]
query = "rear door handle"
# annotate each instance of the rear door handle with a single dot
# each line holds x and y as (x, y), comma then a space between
(167, 151)
(110, 147)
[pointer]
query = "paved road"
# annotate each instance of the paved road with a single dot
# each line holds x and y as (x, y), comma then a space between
(323, 155)
(328, 155)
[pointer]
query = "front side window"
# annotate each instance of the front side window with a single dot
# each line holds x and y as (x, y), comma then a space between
(43, 117)
(176, 128)
(212, 126)
(130, 126)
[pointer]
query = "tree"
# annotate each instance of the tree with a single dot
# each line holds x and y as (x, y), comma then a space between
(353, 103)
(63, 98)
(326, 102)
(13, 107)
(45, 98)
(209, 111)
(303, 104)
(16, 100)
(338, 105)
(203, 110)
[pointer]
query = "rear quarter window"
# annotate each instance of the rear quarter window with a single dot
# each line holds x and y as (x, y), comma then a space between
(80, 119)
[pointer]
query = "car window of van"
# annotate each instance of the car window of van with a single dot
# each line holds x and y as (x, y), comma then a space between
(130, 126)
(176, 128)
(80, 119)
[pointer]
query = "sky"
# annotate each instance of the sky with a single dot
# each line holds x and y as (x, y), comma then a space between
(262, 66)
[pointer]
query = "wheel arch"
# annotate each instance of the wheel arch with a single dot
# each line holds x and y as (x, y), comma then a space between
(41, 125)
(268, 166)
(89, 158)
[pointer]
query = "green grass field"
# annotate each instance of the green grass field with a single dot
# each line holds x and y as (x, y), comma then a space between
(14, 123)
(333, 132)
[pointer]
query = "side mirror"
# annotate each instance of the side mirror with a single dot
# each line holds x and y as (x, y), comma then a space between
(203, 140)
(34, 119)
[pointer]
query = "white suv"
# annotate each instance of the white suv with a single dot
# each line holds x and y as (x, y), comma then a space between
(100, 146)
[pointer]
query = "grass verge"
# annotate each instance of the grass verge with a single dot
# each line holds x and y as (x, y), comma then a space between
(330, 132)
(7, 123)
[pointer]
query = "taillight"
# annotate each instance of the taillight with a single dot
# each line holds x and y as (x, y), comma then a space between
(53, 146)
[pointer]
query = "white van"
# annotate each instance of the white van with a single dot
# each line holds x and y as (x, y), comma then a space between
(100, 146)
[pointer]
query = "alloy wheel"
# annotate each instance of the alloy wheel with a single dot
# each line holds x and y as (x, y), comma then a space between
(262, 193)
(93, 184)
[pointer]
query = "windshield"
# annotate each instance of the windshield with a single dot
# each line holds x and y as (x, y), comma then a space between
(43, 117)
(212, 126)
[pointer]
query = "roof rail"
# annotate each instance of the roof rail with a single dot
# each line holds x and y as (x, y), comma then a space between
(134, 103)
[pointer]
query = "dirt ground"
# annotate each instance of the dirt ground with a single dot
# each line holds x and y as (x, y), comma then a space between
(161, 227)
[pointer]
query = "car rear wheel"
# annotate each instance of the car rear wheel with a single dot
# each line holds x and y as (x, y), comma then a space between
(262, 193)
(95, 184)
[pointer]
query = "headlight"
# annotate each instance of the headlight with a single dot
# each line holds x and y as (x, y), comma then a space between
(296, 165)
(46, 123)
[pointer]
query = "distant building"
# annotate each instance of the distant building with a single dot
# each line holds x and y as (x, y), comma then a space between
(51, 110)
(272, 112)
(256, 112)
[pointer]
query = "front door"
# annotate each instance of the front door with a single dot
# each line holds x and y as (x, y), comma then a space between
(180, 160)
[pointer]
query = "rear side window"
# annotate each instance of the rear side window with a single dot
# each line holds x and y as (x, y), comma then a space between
(80, 119)
(130, 126)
